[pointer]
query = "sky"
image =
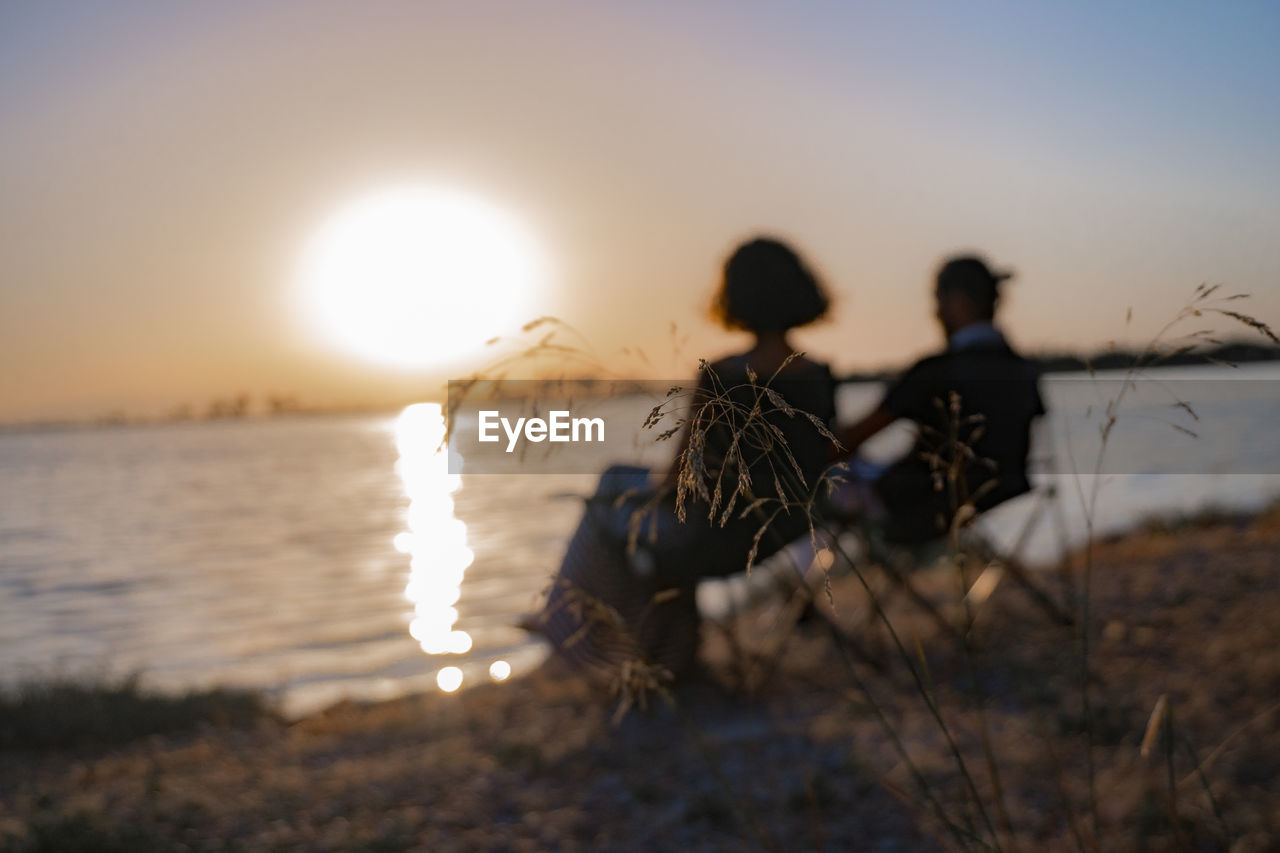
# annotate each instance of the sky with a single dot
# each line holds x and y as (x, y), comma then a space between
(163, 165)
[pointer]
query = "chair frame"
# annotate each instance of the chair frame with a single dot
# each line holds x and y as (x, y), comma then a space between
(896, 563)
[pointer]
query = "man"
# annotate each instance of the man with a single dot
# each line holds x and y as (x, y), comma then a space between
(973, 405)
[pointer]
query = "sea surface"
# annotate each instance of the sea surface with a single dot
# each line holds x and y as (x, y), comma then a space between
(329, 557)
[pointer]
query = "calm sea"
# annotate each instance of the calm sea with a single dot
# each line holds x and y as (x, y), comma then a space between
(328, 557)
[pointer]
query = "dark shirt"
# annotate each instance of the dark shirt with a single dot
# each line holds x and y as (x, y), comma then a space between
(983, 397)
(805, 386)
(712, 549)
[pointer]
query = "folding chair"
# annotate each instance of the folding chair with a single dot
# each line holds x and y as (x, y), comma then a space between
(981, 563)
(799, 571)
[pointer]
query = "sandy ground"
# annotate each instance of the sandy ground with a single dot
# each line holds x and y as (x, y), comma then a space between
(792, 756)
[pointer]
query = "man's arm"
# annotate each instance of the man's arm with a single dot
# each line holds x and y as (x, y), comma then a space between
(855, 434)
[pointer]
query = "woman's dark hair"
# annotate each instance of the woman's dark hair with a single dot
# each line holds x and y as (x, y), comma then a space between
(970, 275)
(767, 288)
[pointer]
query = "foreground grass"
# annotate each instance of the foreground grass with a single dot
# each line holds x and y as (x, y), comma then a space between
(68, 714)
(55, 833)
(1185, 620)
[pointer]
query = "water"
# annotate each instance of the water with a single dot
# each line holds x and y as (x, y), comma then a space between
(325, 557)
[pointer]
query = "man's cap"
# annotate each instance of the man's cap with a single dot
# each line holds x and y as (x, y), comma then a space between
(964, 269)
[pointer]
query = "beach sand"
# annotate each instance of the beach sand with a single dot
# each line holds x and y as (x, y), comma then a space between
(799, 762)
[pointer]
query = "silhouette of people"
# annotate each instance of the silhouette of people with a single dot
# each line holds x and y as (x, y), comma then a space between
(625, 589)
(977, 394)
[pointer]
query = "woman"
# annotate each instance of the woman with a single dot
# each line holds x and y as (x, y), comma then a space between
(751, 452)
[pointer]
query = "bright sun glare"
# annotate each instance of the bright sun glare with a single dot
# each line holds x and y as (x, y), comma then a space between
(419, 277)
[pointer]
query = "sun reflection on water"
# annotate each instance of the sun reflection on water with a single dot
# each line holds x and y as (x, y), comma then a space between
(436, 540)
(449, 679)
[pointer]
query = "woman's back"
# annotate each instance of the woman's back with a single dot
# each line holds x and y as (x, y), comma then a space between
(807, 390)
(773, 428)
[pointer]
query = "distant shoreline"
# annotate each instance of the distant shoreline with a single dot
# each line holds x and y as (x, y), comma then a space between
(70, 425)
(1231, 353)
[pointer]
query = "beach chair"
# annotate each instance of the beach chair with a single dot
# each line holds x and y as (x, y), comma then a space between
(977, 562)
(794, 580)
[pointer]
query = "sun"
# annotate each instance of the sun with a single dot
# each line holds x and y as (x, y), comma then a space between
(419, 277)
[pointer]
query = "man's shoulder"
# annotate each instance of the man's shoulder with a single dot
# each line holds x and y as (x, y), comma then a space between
(928, 365)
(952, 368)
(951, 358)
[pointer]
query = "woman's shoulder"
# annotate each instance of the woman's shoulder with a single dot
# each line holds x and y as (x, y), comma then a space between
(806, 383)
(799, 367)
(810, 366)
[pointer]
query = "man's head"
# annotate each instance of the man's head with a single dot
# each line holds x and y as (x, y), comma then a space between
(967, 292)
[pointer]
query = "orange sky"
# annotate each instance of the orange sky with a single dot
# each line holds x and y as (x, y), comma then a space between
(163, 165)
